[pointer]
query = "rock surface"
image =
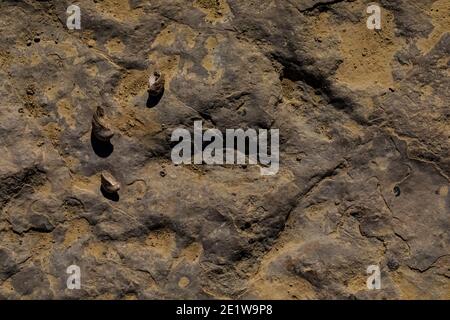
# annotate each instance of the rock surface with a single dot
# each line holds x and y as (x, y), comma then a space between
(364, 124)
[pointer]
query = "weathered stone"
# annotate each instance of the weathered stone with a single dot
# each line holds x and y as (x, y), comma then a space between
(364, 145)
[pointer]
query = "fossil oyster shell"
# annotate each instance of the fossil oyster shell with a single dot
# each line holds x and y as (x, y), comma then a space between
(156, 83)
(100, 127)
(109, 183)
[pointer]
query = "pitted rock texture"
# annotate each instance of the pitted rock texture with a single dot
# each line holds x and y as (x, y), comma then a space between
(364, 124)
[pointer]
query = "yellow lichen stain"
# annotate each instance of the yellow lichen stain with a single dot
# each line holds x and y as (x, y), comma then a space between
(66, 111)
(68, 49)
(101, 252)
(35, 59)
(136, 125)
(216, 11)
(367, 54)
(317, 212)
(52, 131)
(115, 46)
(183, 282)
(281, 287)
(83, 183)
(133, 83)
(6, 162)
(269, 283)
(192, 253)
(166, 37)
(211, 62)
(289, 90)
(131, 121)
(173, 32)
(77, 92)
(79, 61)
(119, 10)
(353, 129)
(407, 287)
(162, 242)
(426, 92)
(40, 246)
(76, 229)
(71, 162)
(379, 163)
(6, 287)
(440, 15)
(189, 36)
(52, 92)
(130, 296)
(53, 281)
(443, 192)
(188, 65)
(91, 43)
(136, 190)
(442, 63)
(357, 284)
(410, 284)
(5, 59)
(97, 250)
(107, 296)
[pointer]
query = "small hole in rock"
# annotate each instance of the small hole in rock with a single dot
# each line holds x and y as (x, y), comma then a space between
(397, 191)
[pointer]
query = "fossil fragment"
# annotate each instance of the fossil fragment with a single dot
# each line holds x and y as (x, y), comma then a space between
(109, 183)
(100, 127)
(156, 84)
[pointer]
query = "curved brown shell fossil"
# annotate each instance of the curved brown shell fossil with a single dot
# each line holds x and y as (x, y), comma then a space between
(109, 183)
(100, 127)
(156, 83)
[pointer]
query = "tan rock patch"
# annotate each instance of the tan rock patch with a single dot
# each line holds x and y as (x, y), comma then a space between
(216, 11)
(440, 15)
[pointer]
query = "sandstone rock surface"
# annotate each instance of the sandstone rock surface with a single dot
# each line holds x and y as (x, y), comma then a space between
(364, 124)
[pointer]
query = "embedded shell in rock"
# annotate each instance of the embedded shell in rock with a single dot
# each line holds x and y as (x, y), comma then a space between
(156, 83)
(100, 126)
(109, 183)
